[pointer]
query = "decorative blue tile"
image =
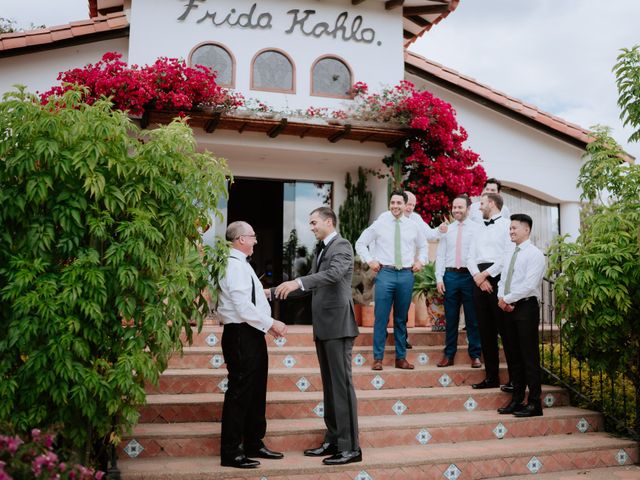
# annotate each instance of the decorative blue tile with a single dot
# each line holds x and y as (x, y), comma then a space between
(622, 457)
(377, 382)
(470, 404)
(133, 448)
(445, 380)
(452, 473)
(423, 359)
(359, 360)
(216, 361)
(534, 465)
(319, 409)
(280, 341)
(399, 408)
(423, 436)
(303, 384)
(500, 431)
(583, 425)
(549, 400)
(211, 340)
(363, 476)
(289, 361)
(224, 384)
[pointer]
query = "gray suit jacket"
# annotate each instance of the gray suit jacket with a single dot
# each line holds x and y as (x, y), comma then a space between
(330, 284)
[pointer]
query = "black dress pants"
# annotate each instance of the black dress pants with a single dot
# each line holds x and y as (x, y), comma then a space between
(522, 328)
(491, 323)
(243, 414)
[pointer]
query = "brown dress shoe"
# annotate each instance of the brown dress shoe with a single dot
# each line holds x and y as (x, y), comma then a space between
(377, 365)
(476, 363)
(445, 362)
(403, 364)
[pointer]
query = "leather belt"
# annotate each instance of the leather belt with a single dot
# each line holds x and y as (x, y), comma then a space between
(524, 300)
(393, 267)
(457, 270)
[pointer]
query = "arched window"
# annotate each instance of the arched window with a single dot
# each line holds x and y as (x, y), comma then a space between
(219, 59)
(272, 70)
(331, 77)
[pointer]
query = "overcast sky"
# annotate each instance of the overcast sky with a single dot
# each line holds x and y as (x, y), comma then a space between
(555, 54)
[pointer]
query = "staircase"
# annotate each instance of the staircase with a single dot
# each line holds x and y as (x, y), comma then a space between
(422, 424)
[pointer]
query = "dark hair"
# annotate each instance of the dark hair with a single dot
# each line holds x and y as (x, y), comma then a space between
(464, 197)
(400, 193)
(495, 198)
(524, 218)
(325, 212)
(494, 180)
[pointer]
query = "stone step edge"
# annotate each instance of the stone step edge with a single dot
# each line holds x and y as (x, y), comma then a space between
(287, 397)
(292, 349)
(366, 423)
(383, 458)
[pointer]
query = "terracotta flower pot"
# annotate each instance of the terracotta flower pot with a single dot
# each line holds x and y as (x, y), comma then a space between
(411, 318)
(422, 311)
(368, 317)
(357, 310)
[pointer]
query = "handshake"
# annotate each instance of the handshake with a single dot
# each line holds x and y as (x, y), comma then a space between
(279, 329)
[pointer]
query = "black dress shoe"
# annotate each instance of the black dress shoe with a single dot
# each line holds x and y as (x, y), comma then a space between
(486, 383)
(342, 458)
(240, 461)
(408, 345)
(323, 450)
(507, 387)
(511, 407)
(529, 410)
(264, 452)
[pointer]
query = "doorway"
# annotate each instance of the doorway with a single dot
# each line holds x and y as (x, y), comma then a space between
(278, 211)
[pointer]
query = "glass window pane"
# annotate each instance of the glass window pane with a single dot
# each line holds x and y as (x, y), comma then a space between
(331, 77)
(216, 58)
(273, 70)
(545, 216)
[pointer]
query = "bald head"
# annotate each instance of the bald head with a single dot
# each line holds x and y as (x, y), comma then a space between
(411, 203)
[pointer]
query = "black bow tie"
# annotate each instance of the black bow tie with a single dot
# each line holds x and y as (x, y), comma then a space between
(319, 248)
(491, 222)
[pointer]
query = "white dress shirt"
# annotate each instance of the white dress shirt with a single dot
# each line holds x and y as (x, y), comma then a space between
(490, 245)
(527, 273)
(377, 242)
(428, 232)
(446, 254)
(476, 215)
(234, 302)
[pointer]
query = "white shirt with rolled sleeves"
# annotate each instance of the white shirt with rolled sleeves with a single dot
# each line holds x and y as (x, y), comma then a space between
(476, 215)
(446, 253)
(234, 301)
(526, 280)
(377, 242)
(489, 246)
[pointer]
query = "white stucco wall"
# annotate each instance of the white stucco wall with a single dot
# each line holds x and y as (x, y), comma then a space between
(521, 156)
(39, 70)
(156, 31)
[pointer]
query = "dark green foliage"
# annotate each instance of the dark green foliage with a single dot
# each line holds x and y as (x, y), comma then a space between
(627, 72)
(99, 267)
(424, 281)
(354, 212)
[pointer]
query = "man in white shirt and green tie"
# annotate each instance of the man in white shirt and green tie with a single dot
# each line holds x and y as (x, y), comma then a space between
(394, 247)
(519, 292)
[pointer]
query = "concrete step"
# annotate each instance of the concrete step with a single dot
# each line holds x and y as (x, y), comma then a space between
(627, 472)
(203, 380)
(469, 460)
(304, 357)
(203, 438)
(207, 407)
(301, 335)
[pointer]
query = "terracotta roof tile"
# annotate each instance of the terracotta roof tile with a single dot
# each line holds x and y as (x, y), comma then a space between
(51, 35)
(499, 98)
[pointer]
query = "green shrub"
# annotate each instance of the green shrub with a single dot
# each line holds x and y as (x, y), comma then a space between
(100, 273)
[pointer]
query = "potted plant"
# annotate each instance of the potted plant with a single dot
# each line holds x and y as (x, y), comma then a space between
(429, 303)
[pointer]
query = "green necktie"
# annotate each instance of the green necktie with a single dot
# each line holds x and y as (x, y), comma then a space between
(397, 247)
(507, 283)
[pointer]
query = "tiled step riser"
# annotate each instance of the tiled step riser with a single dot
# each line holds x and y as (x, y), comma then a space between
(279, 358)
(389, 378)
(306, 339)
(211, 411)
(502, 464)
(375, 438)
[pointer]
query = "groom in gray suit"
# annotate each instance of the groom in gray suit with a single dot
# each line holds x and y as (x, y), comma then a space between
(334, 331)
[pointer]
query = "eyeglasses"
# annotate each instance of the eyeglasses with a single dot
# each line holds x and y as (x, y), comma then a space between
(246, 235)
